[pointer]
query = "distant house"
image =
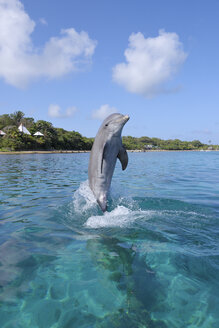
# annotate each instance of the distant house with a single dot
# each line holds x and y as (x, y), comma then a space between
(38, 133)
(22, 129)
(148, 146)
(2, 133)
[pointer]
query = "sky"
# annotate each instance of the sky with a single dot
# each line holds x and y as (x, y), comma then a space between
(74, 62)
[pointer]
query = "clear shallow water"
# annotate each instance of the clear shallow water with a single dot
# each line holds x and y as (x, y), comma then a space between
(151, 261)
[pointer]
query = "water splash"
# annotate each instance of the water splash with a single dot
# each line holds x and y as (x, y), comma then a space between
(124, 211)
(121, 217)
(83, 198)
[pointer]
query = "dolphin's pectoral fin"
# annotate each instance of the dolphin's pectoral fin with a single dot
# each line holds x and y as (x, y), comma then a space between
(104, 151)
(123, 157)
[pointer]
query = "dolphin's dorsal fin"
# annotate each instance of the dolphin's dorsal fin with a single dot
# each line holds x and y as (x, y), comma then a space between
(123, 157)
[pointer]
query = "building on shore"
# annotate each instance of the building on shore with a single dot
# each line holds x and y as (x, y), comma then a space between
(38, 133)
(23, 129)
(2, 133)
(148, 146)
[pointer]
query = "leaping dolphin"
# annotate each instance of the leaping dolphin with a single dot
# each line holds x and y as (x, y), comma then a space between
(106, 148)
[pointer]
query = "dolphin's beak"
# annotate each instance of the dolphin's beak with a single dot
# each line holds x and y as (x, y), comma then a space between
(126, 118)
(122, 119)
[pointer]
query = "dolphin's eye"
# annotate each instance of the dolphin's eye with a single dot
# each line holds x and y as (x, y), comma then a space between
(106, 124)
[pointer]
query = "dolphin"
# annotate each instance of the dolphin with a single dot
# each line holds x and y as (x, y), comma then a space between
(106, 148)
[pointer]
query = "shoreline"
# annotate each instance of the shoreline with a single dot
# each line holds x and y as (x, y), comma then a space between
(28, 152)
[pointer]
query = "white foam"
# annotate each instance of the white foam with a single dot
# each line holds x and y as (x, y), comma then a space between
(123, 215)
(120, 217)
(83, 198)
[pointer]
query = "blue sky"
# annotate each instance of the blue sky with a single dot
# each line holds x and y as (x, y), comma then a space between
(71, 62)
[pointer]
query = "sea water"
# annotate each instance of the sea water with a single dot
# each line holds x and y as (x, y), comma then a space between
(152, 260)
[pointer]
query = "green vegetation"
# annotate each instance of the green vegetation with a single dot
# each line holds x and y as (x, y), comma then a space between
(145, 143)
(60, 139)
(53, 139)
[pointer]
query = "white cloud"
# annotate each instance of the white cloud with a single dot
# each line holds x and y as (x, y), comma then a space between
(150, 62)
(43, 21)
(55, 111)
(103, 112)
(70, 111)
(21, 62)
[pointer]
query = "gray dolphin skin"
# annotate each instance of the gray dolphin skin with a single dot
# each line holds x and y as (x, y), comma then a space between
(106, 149)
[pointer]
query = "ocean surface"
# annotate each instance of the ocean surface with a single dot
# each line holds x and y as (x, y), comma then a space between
(151, 261)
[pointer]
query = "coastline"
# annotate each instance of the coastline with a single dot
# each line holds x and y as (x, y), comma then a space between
(27, 152)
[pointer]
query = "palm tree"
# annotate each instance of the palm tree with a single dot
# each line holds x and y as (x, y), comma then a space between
(17, 117)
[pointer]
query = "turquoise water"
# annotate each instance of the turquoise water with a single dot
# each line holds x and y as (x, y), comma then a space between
(151, 261)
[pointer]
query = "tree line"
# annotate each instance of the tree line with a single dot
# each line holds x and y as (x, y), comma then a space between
(53, 139)
(145, 143)
(60, 139)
